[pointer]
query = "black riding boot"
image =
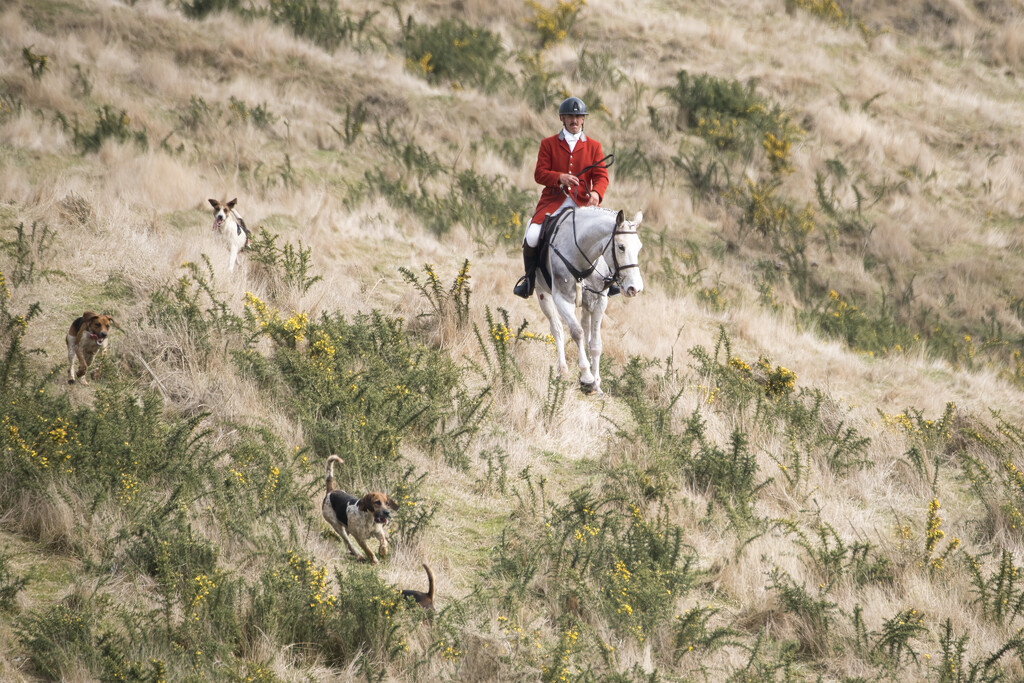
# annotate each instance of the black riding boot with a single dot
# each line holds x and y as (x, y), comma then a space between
(524, 288)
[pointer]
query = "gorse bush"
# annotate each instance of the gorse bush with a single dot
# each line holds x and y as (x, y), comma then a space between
(454, 51)
(553, 25)
(451, 304)
(58, 637)
(197, 9)
(538, 83)
(11, 582)
(872, 334)
(28, 251)
(36, 63)
(287, 266)
(110, 124)
(259, 115)
(490, 206)
(610, 558)
(315, 20)
(731, 116)
(294, 603)
(828, 10)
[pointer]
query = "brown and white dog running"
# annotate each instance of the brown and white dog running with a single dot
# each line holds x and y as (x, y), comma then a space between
(229, 223)
(424, 600)
(87, 337)
(362, 518)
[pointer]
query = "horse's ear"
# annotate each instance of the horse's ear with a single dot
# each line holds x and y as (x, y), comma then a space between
(620, 219)
(638, 218)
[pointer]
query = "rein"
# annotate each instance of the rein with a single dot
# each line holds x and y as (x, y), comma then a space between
(610, 158)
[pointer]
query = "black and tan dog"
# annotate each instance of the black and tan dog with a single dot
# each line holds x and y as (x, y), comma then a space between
(363, 518)
(424, 600)
(87, 337)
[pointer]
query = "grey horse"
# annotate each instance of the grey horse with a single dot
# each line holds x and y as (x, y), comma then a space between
(596, 247)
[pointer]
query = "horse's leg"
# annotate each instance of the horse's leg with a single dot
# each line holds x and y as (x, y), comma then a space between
(547, 305)
(587, 305)
(594, 345)
(565, 302)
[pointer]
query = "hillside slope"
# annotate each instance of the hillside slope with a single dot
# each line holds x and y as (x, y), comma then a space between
(805, 466)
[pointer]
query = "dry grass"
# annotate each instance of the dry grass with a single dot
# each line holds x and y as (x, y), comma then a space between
(946, 105)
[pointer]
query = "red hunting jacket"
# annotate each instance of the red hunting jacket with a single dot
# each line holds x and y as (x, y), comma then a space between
(554, 158)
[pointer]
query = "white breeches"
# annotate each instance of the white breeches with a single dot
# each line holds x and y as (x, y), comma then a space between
(533, 229)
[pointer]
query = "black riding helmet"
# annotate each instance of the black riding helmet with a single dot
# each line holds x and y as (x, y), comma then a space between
(573, 107)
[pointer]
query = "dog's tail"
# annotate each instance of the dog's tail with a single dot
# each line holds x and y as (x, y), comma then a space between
(430, 583)
(330, 471)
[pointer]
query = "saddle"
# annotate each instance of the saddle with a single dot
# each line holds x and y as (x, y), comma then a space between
(547, 231)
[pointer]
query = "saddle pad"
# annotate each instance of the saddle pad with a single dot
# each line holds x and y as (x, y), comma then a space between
(547, 231)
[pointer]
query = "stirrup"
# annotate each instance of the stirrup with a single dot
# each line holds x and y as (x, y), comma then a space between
(523, 288)
(613, 289)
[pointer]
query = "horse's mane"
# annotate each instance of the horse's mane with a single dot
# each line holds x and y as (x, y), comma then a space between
(597, 208)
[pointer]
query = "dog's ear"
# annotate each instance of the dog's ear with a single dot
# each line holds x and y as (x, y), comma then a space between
(231, 204)
(366, 503)
(214, 203)
(392, 503)
(113, 322)
(87, 316)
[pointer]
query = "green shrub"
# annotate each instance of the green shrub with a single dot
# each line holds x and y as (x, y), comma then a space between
(451, 305)
(10, 583)
(553, 25)
(198, 9)
(707, 176)
(260, 115)
(732, 117)
(282, 267)
(37, 64)
(456, 52)
(28, 251)
(197, 115)
(787, 227)
(872, 334)
(190, 311)
(815, 615)
(538, 84)
(828, 10)
(499, 348)
(294, 604)
(318, 21)
(490, 206)
(953, 667)
(60, 638)
(10, 106)
(110, 124)
(834, 560)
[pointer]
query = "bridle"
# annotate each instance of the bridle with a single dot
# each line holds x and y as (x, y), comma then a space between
(580, 275)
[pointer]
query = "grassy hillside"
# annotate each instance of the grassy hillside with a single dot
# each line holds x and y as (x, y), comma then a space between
(807, 464)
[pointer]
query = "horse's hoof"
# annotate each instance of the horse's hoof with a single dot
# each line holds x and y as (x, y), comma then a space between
(588, 387)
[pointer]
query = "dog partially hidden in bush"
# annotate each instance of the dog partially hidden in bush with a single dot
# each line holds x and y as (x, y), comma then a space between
(362, 518)
(87, 337)
(424, 600)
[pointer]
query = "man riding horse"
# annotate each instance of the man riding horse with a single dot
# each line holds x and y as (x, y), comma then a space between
(571, 169)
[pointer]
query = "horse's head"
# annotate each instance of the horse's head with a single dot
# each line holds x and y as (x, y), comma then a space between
(626, 254)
